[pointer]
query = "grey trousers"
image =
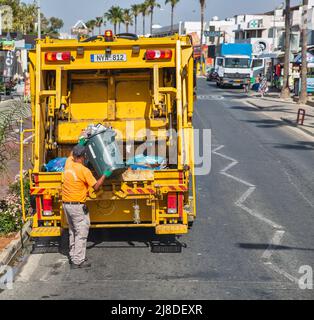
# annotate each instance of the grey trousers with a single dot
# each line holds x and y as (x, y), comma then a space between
(79, 224)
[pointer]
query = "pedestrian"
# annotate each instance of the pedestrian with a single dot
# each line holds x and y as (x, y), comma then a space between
(77, 181)
(263, 88)
(246, 87)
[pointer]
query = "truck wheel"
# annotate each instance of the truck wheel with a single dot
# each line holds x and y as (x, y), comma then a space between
(190, 221)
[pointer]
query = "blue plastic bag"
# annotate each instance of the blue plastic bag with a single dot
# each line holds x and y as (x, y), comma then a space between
(141, 162)
(56, 165)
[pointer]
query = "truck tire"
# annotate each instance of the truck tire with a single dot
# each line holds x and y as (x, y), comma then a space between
(190, 221)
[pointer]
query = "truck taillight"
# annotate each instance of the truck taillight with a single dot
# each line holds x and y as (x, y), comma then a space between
(47, 205)
(58, 56)
(158, 54)
(172, 205)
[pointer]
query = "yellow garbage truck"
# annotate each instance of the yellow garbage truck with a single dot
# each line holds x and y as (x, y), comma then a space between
(141, 87)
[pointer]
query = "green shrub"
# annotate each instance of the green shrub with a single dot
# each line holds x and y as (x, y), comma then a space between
(11, 207)
(10, 214)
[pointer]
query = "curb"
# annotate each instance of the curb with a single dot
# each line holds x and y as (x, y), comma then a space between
(8, 253)
(287, 121)
(292, 123)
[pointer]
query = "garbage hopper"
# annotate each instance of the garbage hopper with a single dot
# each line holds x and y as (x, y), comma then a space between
(103, 152)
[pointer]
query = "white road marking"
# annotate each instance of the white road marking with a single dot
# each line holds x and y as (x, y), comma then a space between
(276, 240)
(242, 199)
(278, 235)
(209, 97)
(282, 272)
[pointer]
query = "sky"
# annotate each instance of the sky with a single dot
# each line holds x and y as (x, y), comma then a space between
(187, 10)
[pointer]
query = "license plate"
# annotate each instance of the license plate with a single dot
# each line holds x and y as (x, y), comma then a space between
(118, 57)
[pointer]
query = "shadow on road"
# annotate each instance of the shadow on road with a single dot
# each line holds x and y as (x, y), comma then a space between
(265, 246)
(266, 123)
(128, 238)
(244, 108)
(299, 145)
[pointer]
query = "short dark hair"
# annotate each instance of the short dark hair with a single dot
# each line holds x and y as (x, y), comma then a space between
(79, 151)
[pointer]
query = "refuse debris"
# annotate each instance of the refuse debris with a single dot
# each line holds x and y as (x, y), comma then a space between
(56, 165)
(142, 162)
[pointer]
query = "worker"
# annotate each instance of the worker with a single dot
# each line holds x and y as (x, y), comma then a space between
(77, 180)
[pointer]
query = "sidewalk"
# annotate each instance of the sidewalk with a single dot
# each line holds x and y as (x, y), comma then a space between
(285, 110)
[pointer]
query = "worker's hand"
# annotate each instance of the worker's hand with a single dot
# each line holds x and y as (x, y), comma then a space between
(107, 173)
(82, 141)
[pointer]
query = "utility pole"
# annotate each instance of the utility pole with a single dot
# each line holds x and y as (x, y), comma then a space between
(0, 21)
(39, 19)
(285, 92)
(303, 94)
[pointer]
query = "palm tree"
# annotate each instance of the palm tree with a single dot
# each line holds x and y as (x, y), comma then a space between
(303, 94)
(136, 10)
(127, 19)
(91, 24)
(115, 16)
(173, 3)
(144, 12)
(202, 3)
(152, 4)
(285, 92)
(98, 23)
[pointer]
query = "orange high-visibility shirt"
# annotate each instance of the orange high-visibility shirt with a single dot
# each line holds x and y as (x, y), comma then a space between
(77, 180)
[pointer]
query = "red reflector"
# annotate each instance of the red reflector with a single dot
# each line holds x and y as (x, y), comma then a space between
(47, 205)
(172, 203)
(158, 54)
(58, 56)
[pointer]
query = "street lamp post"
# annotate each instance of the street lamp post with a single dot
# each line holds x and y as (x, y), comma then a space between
(39, 19)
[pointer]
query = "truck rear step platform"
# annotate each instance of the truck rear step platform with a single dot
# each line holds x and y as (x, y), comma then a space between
(46, 232)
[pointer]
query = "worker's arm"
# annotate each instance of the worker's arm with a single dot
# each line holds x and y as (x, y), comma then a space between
(102, 179)
(99, 183)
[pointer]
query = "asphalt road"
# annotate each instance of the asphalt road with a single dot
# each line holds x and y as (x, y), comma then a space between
(253, 232)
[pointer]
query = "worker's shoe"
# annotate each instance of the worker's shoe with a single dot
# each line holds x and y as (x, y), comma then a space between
(71, 262)
(83, 265)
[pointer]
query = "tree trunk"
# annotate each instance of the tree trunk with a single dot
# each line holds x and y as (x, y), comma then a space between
(127, 28)
(172, 12)
(119, 27)
(151, 20)
(135, 22)
(143, 25)
(303, 94)
(285, 92)
(115, 28)
(202, 24)
(99, 30)
(202, 32)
